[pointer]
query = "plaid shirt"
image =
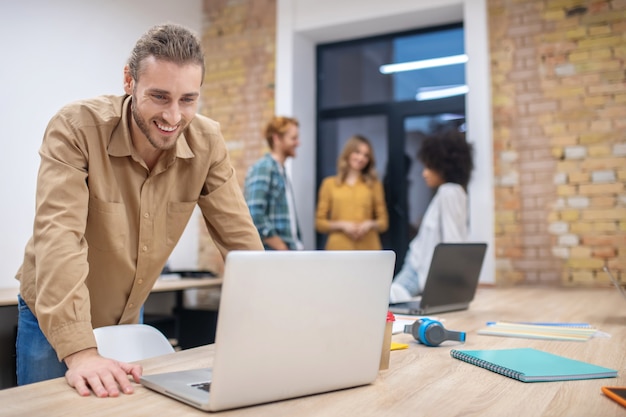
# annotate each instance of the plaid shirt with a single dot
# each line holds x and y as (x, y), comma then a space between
(267, 200)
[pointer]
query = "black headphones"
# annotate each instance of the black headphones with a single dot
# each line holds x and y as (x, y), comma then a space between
(431, 332)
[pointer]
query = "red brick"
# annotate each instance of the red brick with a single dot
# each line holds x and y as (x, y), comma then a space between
(604, 240)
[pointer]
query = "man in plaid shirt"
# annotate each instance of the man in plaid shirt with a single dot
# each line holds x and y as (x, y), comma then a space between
(268, 192)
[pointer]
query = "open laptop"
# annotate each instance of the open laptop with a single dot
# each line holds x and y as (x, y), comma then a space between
(290, 324)
(452, 280)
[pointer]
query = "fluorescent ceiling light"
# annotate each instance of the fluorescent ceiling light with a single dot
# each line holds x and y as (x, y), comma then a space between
(425, 63)
(446, 117)
(432, 93)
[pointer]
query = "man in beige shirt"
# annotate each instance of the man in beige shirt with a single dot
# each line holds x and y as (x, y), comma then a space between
(118, 181)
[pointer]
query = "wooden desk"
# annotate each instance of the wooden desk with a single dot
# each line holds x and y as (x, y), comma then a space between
(421, 381)
(184, 330)
(179, 284)
(8, 296)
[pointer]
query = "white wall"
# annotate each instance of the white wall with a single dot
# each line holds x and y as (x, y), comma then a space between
(302, 24)
(55, 52)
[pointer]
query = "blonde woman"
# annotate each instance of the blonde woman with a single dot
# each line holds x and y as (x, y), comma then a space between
(351, 205)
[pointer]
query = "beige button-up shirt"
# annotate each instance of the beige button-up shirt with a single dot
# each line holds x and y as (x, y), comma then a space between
(105, 225)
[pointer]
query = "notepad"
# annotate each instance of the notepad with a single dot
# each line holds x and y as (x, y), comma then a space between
(532, 365)
(538, 331)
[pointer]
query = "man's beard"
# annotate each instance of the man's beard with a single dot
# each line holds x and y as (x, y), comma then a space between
(144, 128)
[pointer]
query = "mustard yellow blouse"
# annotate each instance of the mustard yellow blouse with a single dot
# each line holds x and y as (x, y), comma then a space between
(358, 203)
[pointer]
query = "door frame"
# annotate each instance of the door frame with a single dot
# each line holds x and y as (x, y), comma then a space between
(304, 24)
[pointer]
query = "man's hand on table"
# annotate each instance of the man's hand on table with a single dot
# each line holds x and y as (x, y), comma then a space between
(88, 371)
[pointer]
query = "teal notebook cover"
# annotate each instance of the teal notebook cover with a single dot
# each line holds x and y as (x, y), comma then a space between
(532, 365)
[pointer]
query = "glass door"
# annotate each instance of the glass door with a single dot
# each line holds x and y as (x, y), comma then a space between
(392, 89)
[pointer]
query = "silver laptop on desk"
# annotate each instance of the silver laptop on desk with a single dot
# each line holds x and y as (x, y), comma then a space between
(285, 329)
(452, 280)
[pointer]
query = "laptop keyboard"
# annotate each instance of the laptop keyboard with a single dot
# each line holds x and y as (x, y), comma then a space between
(204, 386)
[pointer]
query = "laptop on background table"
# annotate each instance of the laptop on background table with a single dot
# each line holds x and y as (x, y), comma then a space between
(451, 282)
(285, 329)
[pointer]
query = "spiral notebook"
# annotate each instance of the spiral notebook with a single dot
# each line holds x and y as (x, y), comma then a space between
(532, 365)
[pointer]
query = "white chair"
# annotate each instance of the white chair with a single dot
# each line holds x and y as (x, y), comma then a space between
(131, 342)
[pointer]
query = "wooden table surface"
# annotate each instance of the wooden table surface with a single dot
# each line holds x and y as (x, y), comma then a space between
(178, 284)
(421, 381)
(8, 296)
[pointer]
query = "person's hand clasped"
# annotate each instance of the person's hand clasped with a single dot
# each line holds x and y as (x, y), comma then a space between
(356, 231)
(363, 228)
(88, 371)
(351, 229)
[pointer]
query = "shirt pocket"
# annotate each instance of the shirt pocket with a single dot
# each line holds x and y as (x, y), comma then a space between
(107, 227)
(178, 215)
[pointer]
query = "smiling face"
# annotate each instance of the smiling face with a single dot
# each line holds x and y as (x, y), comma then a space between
(359, 158)
(164, 101)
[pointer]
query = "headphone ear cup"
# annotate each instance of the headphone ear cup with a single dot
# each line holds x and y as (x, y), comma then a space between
(428, 332)
(434, 335)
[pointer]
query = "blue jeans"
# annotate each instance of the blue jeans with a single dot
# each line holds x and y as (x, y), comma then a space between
(35, 359)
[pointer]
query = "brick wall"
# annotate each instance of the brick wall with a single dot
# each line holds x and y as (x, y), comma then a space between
(239, 39)
(559, 106)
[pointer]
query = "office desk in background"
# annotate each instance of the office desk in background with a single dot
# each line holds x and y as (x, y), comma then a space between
(186, 327)
(8, 296)
(421, 381)
(8, 325)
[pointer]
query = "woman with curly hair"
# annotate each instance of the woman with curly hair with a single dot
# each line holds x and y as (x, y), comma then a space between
(351, 205)
(447, 159)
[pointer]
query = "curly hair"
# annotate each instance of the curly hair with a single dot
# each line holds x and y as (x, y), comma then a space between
(167, 42)
(369, 171)
(278, 126)
(449, 154)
